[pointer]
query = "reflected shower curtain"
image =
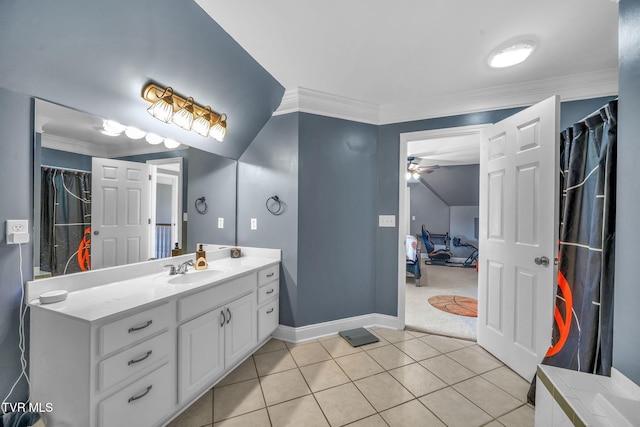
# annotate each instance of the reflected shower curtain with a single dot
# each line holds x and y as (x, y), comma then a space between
(65, 221)
(583, 315)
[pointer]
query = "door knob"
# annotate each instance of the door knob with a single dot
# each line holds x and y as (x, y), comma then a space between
(96, 232)
(542, 261)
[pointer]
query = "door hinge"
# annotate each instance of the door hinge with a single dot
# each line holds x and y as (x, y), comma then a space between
(149, 177)
(149, 221)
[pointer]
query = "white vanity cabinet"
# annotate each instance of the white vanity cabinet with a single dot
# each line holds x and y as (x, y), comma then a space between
(215, 340)
(139, 351)
(268, 301)
(111, 373)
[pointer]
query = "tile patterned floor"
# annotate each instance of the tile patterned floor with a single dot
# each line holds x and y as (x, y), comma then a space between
(407, 379)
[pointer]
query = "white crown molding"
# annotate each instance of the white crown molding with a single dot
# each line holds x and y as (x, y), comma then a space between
(318, 330)
(570, 88)
(324, 104)
(100, 150)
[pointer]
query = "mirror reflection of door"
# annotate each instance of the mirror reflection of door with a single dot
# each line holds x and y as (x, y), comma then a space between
(120, 212)
(168, 203)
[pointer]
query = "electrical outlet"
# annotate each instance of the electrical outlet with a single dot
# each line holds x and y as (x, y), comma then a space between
(254, 223)
(220, 222)
(17, 231)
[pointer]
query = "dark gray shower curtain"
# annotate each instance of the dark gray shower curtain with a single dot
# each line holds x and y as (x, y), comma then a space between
(583, 317)
(64, 217)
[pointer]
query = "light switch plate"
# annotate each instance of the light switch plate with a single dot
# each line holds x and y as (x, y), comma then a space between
(386, 221)
(220, 222)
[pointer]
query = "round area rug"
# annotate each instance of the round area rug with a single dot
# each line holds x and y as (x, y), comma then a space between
(455, 304)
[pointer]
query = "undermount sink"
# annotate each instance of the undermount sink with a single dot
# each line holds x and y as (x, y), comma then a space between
(195, 276)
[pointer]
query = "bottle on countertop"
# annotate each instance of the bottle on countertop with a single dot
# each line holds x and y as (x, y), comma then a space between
(176, 251)
(201, 259)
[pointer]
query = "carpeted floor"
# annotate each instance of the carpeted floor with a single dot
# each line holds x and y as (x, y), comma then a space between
(440, 280)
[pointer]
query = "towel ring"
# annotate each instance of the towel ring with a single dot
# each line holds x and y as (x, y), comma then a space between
(201, 205)
(276, 207)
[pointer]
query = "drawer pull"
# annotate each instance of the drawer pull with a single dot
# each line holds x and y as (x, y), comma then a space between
(270, 311)
(146, 356)
(137, 328)
(140, 396)
(229, 319)
(270, 274)
(270, 292)
(222, 318)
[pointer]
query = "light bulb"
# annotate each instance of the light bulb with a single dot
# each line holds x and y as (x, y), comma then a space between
(171, 143)
(154, 139)
(134, 133)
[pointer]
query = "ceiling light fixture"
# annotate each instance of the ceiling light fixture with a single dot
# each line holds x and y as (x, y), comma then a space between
(112, 128)
(154, 139)
(170, 143)
(511, 54)
(186, 113)
(134, 133)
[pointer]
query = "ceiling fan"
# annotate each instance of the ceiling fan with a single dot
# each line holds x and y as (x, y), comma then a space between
(414, 169)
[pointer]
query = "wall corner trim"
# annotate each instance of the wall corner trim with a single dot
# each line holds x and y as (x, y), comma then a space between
(325, 104)
(318, 330)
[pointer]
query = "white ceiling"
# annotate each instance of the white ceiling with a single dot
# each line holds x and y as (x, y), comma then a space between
(414, 59)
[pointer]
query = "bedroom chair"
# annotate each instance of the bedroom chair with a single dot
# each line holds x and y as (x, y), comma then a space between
(438, 256)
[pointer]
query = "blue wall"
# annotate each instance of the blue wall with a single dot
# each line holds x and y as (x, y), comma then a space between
(214, 178)
(337, 219)
(64, 159)
(626, 339)
(16, 134)
(270, 167)
(96, 57)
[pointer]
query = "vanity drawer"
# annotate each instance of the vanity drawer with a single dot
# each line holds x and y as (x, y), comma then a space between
(132, 361)
(143, 403)
(268, 274)
(136, 327)
(215, 296)
(268, 319)
(268, 291)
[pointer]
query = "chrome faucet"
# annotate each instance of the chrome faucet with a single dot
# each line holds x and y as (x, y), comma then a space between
(182, 268)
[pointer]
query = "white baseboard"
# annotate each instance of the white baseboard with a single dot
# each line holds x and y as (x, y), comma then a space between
(318, 330)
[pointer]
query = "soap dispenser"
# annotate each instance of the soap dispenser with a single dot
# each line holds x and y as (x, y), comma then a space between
(176, 251)
(201, 259)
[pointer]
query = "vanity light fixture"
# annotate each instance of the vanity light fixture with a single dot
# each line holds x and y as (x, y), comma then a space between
(184, 116)
(112, 128)
(186, 113)
(511, 54)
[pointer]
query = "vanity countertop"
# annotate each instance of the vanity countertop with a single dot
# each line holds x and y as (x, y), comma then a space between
(94, 303)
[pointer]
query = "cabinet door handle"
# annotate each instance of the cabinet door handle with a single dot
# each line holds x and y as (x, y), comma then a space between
(222, 318)
(270, 274)
(146, 356)
(229, 319)
(270, 311)
(137, 328)
(270, 291)
(140, 396)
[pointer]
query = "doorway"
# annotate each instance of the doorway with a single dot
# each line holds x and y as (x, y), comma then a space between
(442, 158)
(167, 196)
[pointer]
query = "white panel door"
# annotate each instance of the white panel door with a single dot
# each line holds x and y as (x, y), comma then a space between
(120, 212)
(518, 232)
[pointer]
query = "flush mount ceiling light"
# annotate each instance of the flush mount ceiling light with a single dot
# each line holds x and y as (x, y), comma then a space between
(511, 54)
(186, 113)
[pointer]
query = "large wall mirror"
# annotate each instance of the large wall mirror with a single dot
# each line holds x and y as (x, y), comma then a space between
(107, 196)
